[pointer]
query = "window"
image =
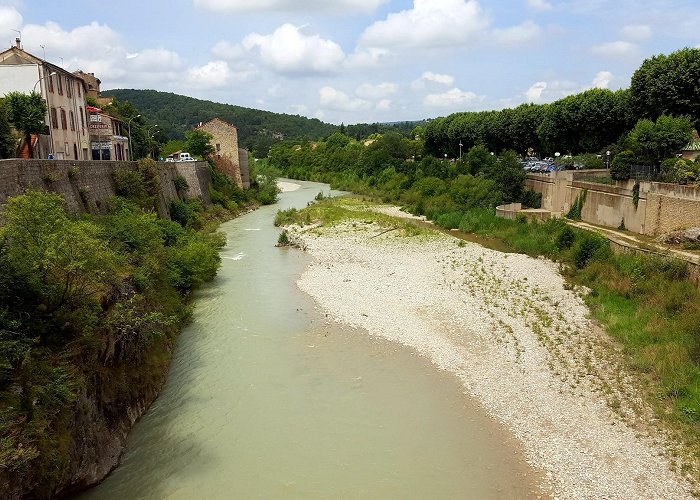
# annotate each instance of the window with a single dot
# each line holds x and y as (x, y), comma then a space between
(218, 147)
(78, 84)
(75, 151)
(50, 80)
(82, 116)
(72, 121)
(60, 84)
(68, 88)
(64, 124)
(54, 118)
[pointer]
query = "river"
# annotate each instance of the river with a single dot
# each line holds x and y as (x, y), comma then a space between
(267, 398)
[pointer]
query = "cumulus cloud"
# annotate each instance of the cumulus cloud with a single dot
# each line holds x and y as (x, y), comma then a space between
(453, 98)
(334, 99)
(616, 49)
(384, 105)
(155, 59)
(541, 5)
(226, 50)
(602, 80)
(548, 91)
(214, 74)
(335, 6)
(373, 92)
(636, 32)
(430, 23)
(442, 79)
(518, 35)
(288, 50)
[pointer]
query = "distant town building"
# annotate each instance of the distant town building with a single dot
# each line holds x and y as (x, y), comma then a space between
(692, 150)
(91, 82)
(107, 138)
(66, 135)
(225, 143)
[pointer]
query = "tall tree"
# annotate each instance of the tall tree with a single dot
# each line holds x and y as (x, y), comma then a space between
(27, 112)
(7, 141)
(668, 85)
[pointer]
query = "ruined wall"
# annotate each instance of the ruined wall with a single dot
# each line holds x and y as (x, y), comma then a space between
(225, 143)
(88, 185)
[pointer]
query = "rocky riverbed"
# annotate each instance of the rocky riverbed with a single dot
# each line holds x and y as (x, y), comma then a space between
(517, 336)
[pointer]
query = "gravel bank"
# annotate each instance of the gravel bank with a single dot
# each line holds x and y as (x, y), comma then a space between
(520, 342)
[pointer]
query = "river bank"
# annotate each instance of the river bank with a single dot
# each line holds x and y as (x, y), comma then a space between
(517, 336)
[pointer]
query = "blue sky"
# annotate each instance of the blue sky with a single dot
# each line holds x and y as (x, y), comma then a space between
(356, 60)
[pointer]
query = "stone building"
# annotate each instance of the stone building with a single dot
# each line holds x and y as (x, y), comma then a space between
(66, 135)
(226, 152)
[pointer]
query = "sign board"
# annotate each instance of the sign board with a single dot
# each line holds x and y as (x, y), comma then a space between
(101, 145)
(94, 126)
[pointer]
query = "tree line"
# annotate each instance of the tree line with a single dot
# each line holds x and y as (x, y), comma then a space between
(592, 121)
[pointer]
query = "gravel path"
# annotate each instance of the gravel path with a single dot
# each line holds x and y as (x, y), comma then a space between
(520, 342)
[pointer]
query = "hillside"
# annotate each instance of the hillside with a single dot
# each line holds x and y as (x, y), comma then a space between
(257, 129)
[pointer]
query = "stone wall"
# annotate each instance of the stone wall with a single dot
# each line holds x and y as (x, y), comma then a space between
(225, 143)
(660, 208)
(88, 185)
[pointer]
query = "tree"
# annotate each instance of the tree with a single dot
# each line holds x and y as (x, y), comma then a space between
(198, 143)
(27, 112)
(621, 168)
(668, 84)
(7, 140)
(654, 141)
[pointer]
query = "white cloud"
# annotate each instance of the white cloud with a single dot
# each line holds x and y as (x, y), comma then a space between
(442, 79)
(619, 48)
(331, 98)
(335, 6)
(214, 74)
(155, 59)
(288, 50)
(384, 105)
(226, 50)
(300, 109)
(10, 20)
(518, 35)
(602, 80)
(541, 5)
(534, 93)
(548, 91)
(430, 23)
(453, 98)
(367, 91)
(636, 32)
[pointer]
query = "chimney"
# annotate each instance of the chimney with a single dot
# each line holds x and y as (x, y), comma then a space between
(18, 43)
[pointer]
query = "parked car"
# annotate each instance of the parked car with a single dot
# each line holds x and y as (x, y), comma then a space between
(186, 157)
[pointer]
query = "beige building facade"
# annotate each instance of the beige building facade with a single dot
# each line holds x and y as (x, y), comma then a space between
(108, 140)
(67, 135)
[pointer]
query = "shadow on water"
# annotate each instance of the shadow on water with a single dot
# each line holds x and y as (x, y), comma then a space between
(266, 398)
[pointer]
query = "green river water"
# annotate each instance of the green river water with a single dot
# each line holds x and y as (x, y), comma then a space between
(268, 399)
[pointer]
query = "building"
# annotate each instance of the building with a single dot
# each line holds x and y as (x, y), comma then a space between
(66, 135)
(692, 150)
(107, 139)
(227, 155)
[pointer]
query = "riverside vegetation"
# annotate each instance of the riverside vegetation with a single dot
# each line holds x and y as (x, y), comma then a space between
(90, 307)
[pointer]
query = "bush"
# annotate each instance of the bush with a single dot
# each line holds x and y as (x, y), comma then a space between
(181, 185)
(566, 238)
(621, 168)
(587, 247)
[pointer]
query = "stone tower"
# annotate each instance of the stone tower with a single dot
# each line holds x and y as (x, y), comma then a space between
(225, 143)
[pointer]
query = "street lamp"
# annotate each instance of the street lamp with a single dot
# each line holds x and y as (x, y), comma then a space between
(607, 159)
(460, 150)
(128, 124)
(40, 79)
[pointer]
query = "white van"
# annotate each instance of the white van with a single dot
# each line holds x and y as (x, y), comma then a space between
(185, 157)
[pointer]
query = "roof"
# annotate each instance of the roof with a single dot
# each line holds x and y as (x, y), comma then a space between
(694, 144)
(203, 125)
(15, 56)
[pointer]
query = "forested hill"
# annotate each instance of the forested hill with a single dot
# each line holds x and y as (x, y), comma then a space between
(257, 129)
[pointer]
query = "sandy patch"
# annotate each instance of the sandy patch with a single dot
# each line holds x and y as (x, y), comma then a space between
(519, 341)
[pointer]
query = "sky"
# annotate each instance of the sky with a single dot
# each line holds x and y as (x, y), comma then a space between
(355, 61)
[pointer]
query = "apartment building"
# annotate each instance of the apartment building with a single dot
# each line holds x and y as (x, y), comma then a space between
(67, 134)
(107, 139)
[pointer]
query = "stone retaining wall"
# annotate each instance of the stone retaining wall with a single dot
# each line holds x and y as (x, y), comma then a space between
(88, 185)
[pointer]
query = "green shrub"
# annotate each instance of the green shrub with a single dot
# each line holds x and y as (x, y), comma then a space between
(180, 184)
(586, 248)
(283, 239)
(566, 238)
(621, 167)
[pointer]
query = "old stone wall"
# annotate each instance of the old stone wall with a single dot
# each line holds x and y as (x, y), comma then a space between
(225, 143)
(660, 208)
(88, 185)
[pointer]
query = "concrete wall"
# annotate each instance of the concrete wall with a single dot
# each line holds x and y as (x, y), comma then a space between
(661, 208)
(88, 185)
